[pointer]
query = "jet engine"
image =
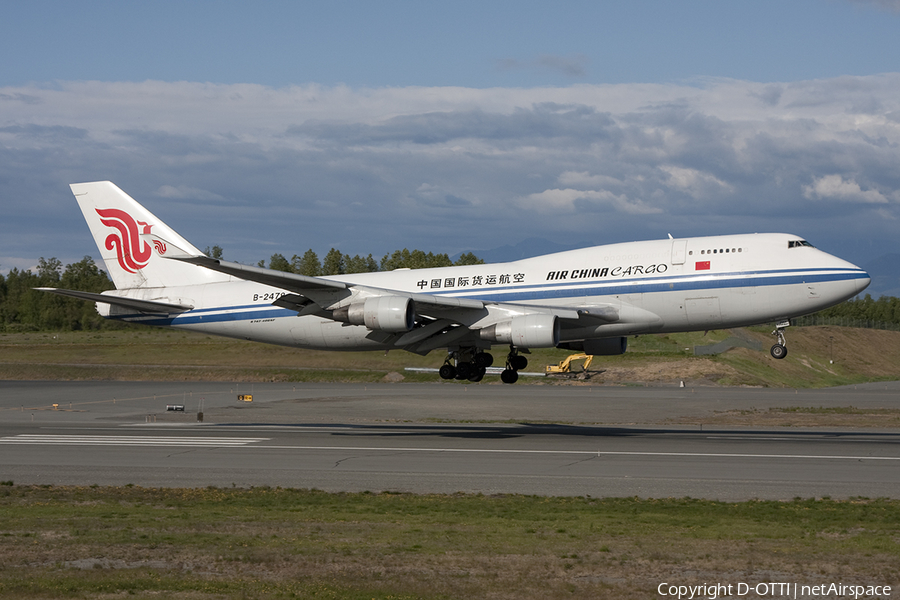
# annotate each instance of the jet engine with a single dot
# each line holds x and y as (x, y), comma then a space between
(602, 347)
(528, 331)
(381, 313)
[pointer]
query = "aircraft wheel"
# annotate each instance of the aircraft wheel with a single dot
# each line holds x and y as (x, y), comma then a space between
(477, 375)
(778, 351)
(509, 376)
(484, 360)
(447, 372)
(463, 370)
(518, 362)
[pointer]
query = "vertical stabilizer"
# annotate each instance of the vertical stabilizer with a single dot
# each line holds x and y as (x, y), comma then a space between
(117, 222)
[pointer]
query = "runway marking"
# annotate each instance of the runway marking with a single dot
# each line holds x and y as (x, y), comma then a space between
(598, 453)
(115, 440)
(232, 442)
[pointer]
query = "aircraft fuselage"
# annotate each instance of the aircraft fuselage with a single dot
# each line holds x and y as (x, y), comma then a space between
(657, 286)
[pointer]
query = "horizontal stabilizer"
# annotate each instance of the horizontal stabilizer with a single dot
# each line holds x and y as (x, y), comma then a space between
(144, 306)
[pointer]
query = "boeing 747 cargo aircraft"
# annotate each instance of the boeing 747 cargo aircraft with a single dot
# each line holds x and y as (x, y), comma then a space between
(588, 300)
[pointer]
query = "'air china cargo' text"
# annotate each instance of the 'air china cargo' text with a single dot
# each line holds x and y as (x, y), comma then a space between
(606, 272)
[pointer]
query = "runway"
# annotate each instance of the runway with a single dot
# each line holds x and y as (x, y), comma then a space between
(441, 438)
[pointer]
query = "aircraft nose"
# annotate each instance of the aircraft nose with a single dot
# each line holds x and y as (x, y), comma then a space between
(863, 282)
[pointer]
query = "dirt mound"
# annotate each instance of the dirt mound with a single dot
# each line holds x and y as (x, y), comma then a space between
(692, 371)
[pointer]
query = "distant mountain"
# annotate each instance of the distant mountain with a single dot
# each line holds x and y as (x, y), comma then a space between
(885, 272)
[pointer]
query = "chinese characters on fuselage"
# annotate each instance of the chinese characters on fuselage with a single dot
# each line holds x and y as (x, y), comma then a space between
(566, 275)
(472, 281)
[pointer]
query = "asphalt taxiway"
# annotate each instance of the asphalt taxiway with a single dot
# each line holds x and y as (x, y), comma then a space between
(442, 438)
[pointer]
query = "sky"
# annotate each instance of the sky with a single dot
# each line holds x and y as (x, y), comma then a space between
(274, 127)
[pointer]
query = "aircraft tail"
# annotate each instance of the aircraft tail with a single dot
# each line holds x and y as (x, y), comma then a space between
(117, 222)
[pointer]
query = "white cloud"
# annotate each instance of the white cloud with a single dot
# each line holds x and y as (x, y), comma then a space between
(583, 179)
(833, 187)
(567, 201)
(316, 166)
(696, 183)
(185, 192)
(574, 66)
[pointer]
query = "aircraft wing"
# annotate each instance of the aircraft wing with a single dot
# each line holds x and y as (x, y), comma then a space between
(317, 289)
(312, 294)
(320, 290)
(279, 279)
(446, 316)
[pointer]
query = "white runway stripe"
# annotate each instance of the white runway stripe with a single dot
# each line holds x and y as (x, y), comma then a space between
(599, 454)
(121, 440)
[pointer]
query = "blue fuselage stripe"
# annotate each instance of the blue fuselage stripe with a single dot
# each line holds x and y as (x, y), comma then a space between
(673, 283)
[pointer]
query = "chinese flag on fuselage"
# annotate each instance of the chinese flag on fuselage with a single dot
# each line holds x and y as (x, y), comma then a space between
(702, 266)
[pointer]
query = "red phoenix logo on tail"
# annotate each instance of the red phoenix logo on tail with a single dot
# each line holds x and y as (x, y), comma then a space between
(132, 254)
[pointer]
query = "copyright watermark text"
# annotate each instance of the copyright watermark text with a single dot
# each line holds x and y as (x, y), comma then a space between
(796, 591)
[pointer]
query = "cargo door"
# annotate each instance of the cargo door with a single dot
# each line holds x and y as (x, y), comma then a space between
(679, 251)
(703, 312)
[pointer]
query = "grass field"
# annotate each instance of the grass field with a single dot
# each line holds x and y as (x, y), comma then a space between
(278, 543)
(818, 357)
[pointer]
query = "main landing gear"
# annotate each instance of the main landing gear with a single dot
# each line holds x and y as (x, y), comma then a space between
(472, 363)
(779, 350)
(515, 362)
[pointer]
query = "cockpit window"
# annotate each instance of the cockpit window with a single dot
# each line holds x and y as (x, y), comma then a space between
(799, 243)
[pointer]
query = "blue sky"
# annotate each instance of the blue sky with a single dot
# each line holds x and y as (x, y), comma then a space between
(474, 44)
(280, 126)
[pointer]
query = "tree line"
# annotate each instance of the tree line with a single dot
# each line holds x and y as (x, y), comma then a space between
(883, 313)
(336, 263)
(22, 308)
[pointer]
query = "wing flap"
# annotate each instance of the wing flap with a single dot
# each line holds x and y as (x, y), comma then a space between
(606, 313)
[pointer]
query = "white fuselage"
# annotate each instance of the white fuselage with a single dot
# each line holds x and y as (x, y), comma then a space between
(655, 286)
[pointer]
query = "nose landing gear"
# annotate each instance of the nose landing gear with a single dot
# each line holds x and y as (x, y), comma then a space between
(779, 350)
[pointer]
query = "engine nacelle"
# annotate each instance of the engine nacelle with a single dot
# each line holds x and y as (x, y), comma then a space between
(381, 313)
(602, 347)
(529, 331)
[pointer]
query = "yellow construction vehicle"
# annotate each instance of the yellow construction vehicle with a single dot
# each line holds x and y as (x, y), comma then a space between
(565, 366)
